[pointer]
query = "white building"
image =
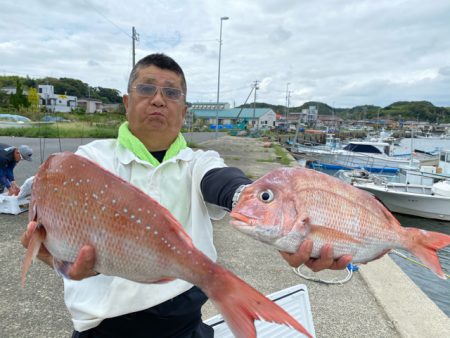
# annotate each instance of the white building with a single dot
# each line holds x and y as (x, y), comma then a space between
(56, 102)
(91, 106)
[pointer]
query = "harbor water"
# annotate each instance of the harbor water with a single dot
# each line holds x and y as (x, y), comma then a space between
(438, 290)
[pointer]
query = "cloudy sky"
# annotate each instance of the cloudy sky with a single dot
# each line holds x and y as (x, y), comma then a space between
(340, 52)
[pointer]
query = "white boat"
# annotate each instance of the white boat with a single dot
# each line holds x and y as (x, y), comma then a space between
(372, 156)
(427, 175)
(428, 201)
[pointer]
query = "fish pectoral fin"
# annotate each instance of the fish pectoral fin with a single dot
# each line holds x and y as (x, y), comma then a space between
(36, 239)
(302, 226)
(330, 235)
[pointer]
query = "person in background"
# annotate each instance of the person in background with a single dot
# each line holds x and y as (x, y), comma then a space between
(9, 157)
(195, 186)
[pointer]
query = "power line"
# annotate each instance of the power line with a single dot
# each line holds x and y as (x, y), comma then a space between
(107, 19)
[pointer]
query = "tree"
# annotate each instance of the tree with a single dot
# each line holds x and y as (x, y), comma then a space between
(18, 100)
(33, 99)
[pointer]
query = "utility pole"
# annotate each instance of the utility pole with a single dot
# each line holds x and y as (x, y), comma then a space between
(254, 101)
(134, 37)
(288, 94)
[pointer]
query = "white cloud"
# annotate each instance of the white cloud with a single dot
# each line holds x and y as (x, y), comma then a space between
(343, 53)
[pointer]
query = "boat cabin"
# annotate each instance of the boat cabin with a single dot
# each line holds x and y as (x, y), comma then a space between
(369, 147)
(444, 162)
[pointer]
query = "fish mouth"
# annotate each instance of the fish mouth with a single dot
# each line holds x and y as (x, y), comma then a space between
(240, 220)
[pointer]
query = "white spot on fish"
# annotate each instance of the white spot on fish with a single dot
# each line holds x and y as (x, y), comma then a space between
(56, 189)
(174, 247)
(138, 221)
(65, 183)
(139, 209)
(168, 245)
(103, 208)
(94, 217)
(88, 180)
(71, 180)
(106, 186)
(148, 227)
(95, 196)
(102, 192)
(116, 214)
(189, 252)
(156, 232)
(178, 252)
(113, 201)
(125, 210)
(77, 184)
(132, 216)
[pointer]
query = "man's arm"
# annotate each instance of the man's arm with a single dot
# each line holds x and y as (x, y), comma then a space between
(219, 185)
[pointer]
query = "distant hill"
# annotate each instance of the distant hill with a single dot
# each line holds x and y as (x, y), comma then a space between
(404, 110)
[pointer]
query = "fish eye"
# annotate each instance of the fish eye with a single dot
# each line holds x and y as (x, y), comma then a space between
(266, 196)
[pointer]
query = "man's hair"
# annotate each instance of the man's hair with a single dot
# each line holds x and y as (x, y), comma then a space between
(161, 61)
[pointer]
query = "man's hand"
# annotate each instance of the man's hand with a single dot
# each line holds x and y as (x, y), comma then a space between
(13, 190)
(325, 261)
(80, 269)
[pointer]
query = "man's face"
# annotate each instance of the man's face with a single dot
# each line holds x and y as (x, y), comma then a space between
(17, 156)
(155, 114)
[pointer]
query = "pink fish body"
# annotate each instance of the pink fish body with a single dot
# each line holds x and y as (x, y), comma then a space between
(78, 203)
(289, 205)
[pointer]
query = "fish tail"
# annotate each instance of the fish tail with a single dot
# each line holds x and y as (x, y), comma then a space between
(37, 237)
(240, 305)
(425, 244)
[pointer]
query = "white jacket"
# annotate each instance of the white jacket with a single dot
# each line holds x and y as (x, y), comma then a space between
(175, 184)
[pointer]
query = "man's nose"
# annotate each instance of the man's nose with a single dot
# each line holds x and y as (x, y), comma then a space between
(158, 99)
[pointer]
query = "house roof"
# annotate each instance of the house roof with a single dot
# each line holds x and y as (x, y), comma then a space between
(231, 113)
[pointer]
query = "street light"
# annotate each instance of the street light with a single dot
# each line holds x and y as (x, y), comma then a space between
(218, 74)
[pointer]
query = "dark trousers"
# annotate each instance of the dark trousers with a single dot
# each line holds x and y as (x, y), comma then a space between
(179, 317)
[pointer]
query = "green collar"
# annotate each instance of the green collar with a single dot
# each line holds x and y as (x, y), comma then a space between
(132, 143)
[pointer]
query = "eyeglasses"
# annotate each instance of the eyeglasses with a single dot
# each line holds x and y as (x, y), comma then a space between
(149, 90)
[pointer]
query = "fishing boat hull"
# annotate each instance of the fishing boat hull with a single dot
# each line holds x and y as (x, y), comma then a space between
(415, 200)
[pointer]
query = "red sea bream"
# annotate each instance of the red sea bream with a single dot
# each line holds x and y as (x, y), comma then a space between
(289, 205)
(78, 203)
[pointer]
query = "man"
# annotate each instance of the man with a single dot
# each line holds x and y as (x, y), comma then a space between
(9, 157)
(195, 186)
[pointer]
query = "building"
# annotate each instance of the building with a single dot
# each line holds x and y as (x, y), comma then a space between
(257, 117)
(61, 103)
(90, 106)
(210, 106)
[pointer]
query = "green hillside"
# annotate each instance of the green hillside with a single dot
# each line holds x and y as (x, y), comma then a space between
(404, 110)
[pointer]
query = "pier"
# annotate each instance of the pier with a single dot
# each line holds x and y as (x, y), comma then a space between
(378, 301)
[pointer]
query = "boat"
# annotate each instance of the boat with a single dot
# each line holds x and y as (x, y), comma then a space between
(428, 201)
(368, 155)
(428, 175)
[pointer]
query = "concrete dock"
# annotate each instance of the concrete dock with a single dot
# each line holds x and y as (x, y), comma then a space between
(378, 301)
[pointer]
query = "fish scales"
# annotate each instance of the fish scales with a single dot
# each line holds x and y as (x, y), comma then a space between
(110, 221)
(75, 202)
(289, 205)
